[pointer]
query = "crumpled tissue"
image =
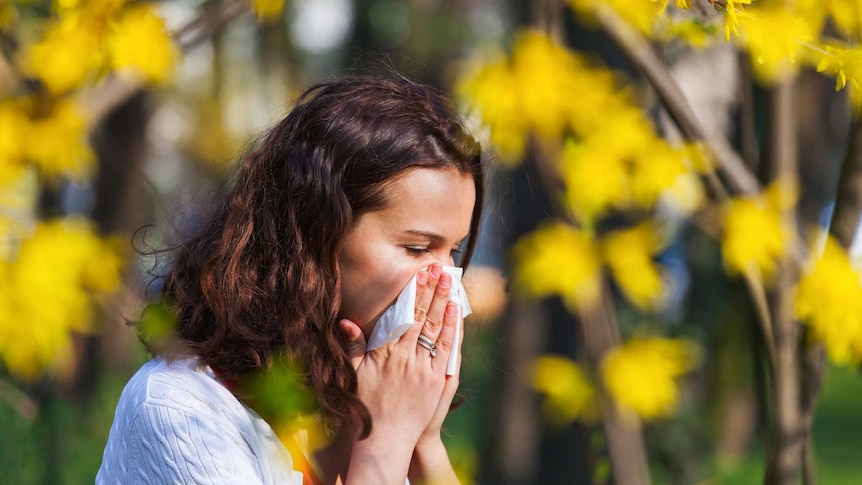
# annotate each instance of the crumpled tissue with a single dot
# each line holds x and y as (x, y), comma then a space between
(398, 318)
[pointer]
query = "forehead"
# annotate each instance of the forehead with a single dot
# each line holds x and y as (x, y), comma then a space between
(443, 198)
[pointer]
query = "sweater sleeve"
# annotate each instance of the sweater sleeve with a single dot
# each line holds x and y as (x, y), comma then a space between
(165, 445)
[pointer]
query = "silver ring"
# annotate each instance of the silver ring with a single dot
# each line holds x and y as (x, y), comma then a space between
(428, 344)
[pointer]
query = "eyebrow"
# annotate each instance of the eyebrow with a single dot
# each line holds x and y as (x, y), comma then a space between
(432, 236)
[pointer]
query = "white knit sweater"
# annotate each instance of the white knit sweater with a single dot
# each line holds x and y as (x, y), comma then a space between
(177, 424)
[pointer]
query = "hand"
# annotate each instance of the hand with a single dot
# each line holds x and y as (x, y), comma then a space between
(432, 295)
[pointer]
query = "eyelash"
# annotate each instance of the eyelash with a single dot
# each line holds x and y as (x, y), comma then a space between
(416, 251)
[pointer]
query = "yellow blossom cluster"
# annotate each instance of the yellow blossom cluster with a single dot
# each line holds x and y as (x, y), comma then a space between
(755, 236)
(91, 37)
(613, 157)
(47, 292)
(642, 374)
(569, 394)
(623, 163)
(23, 139)
(561, 260)
(536, 92)
(630, 257)
(829, 301)
(641, 377)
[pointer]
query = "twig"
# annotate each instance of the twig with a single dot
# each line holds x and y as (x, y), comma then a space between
(20, 402)
(639, 51)
(116, 90)
(784, 465)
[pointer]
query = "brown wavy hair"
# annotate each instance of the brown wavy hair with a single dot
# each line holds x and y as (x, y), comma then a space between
(261, 280)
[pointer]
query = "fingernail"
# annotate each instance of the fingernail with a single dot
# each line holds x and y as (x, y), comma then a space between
(436, 270)
(445, 281)
(451, 309)
(422, 278)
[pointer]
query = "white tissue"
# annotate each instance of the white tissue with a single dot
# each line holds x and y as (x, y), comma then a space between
(398, 318)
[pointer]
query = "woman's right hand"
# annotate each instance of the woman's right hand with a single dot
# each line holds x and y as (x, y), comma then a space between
(402, 385)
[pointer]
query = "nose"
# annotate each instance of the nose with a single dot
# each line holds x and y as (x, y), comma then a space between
(444, 257)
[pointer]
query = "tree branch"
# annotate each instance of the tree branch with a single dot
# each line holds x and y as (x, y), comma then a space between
(640, 52)
(101, 100)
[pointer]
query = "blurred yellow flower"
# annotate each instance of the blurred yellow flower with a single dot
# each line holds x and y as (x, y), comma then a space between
(755, 236)
(829, 301)
(692, 31)
(268, 10)
(642, 374)
(660, 169)
(569, 395)
(47, 291)
(545, 73)
(596, 178)
(558, 259)
(641, 15)
(847, 16)
(680, 4)
(495, 92)
(140, 43)
(629, 255)
(775, 37)
(67, 56)
(536, 92)
(91, 11)
(62, 148)
(14, 132)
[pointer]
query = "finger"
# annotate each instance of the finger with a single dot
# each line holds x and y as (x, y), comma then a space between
(423, 300)
(447, 336)
(354, 341)
(434, 318)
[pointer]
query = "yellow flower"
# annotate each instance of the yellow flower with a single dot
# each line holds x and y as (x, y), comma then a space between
(536, 92)
(731, 16)
(67, 57)
(596, 179)
(494, 90)
(680, 4)
(46, 294)
(268, 10)
(845, 64)
(559, 260)
(829, 301)
(660, 169)
(629, 255)
(14, 130)
(692, 31)
(775, 38)
(641, 15)
(847, 15)
(63, 147)
(755, 236)
(139, 43)
(545, 73)
(641, 375)
(569, 395)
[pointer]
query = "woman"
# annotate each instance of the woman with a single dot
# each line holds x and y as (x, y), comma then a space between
(367, 183)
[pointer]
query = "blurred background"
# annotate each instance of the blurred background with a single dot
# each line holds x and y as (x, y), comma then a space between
(160, 145)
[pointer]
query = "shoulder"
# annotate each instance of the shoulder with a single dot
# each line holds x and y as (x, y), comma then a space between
(176, 422)
(183, 385)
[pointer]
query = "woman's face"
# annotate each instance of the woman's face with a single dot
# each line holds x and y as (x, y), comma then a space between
(425, 220)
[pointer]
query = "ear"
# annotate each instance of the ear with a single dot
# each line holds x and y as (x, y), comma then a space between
(354, 341)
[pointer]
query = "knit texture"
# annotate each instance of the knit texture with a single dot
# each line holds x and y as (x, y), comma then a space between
(177, 424)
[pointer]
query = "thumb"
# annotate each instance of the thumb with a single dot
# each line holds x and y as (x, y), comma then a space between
(354, 341)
